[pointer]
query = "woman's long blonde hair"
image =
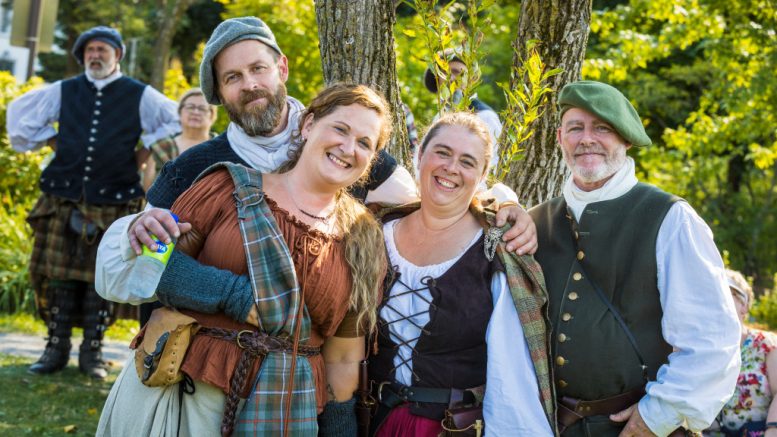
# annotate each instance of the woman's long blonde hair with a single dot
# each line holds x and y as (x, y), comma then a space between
(364, 248)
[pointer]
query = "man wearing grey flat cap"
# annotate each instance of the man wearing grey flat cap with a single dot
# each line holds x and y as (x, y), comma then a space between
(645, 335)
(92, 180)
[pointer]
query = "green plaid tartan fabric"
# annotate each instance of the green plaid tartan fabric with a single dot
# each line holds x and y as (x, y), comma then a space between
(278, 299)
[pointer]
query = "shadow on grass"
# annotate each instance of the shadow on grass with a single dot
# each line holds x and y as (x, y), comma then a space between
(66, 403)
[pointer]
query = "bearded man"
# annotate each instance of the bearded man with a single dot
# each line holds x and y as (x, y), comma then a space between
(92, 180)
(645, 336)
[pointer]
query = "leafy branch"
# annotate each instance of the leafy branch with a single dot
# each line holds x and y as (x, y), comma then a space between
(525, 101)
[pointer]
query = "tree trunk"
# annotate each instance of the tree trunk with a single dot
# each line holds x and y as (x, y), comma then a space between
(169, 14)
(562, 28)
(356, 39)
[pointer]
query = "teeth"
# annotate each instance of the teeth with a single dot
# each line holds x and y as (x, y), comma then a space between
(338, 161)
(446, 184)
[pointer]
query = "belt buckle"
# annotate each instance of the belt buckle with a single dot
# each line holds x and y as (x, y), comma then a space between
(380, 390)
(237, 338)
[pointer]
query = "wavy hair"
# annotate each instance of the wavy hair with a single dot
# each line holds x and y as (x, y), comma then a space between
(363, 237)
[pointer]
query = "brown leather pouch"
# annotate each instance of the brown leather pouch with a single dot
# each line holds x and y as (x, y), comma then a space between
(463, 421)
(161, 346)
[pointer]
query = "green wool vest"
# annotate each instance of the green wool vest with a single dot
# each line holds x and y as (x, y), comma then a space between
(616, 242)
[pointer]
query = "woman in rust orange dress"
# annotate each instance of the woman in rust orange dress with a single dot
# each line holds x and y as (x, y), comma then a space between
(338, 261)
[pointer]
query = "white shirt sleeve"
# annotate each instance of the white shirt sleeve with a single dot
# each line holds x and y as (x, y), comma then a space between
(398, 189)
(115, 259)
(512, 402)
(699, 321)
(31, 116)
(158, 116)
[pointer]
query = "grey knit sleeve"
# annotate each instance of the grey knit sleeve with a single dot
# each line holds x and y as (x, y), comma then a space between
(188, 284)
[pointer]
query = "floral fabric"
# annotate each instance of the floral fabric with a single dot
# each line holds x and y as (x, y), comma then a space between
(752, 396)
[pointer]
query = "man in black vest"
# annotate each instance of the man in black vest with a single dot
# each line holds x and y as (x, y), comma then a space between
(92, 180)
(645, 336)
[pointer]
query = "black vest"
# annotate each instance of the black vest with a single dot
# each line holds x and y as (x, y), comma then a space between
(616, 243)
(98, 133)
(452, 350)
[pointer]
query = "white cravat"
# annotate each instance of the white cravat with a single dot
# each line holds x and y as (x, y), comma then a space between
(266, 153)
(622, 181)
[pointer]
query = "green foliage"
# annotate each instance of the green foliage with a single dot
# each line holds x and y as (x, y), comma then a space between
(525, 101)
(700, 73)
(18, 192)
(24, 323)
(414, 53)
(764, 309)
(65, 403)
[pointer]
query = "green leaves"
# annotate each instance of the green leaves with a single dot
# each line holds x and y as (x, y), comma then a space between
(525, 100)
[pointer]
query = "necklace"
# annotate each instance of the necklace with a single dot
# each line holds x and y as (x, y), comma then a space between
(313, 216)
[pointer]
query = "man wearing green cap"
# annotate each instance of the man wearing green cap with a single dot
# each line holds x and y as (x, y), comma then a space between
(645, 336)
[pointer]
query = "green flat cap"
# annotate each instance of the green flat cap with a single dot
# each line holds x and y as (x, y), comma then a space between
(608, 104)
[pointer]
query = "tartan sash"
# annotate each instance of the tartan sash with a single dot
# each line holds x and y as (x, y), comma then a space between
(278, 298)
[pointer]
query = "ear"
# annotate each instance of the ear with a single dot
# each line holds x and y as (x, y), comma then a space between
(558, 135)
(307, 125)
(283, 67)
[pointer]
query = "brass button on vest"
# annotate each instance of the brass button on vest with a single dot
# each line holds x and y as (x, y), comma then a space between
(566, 317)
(577, 276)
(573, 296)
(580, 254)
(562, 338)
(560, 360)
(562, 383)
(577, 235)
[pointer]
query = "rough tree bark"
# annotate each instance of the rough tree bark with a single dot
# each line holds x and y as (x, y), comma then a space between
(169, 15)
(562, 27)
(357, 46)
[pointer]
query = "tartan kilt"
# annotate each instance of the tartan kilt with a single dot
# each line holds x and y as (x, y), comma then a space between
(59, 253)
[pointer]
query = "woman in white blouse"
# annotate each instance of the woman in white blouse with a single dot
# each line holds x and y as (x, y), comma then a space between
(449, 331)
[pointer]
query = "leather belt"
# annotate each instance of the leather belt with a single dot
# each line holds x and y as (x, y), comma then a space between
(392, 394)
(253, 344)
(571, 410)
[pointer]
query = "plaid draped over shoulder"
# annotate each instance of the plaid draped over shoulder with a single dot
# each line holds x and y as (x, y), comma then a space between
(284, 390)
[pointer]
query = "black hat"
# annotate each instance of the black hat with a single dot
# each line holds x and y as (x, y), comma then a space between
(105, 34)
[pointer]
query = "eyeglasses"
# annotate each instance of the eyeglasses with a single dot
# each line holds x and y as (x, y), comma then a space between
(196, 108)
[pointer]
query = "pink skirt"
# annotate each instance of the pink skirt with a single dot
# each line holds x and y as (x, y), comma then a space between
(400, 423)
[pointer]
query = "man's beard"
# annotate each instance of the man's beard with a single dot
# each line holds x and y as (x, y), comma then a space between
(100, 72)
(259, 120)
(612, 163)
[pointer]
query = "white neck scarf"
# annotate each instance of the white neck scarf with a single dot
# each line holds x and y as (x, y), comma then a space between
(621, 182)
(266, 153)
(102, 83)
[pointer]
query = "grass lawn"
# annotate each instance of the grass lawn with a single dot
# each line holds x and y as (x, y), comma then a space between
(66, 403)
(121, 330)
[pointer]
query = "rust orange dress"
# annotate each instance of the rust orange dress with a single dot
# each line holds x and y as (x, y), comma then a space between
(319, 261)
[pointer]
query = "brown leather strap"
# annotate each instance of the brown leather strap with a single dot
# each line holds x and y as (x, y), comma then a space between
(253, 344)
(259, 343)
(571, 410)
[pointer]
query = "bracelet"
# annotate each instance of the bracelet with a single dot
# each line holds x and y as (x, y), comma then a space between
(771, 424)
(507, 203)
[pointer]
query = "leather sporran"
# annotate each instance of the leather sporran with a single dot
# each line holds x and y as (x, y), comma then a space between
(161, 346)
(463, 421)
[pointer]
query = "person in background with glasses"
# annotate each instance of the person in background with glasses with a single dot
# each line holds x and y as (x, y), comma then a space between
(197, 118)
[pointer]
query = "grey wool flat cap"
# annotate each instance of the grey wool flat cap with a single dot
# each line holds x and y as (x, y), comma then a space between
(227, 33)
